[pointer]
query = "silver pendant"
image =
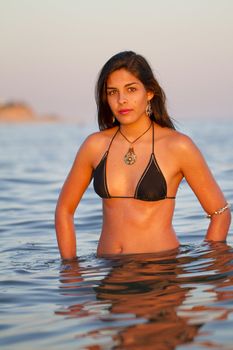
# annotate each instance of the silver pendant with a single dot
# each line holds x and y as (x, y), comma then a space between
(130, 157)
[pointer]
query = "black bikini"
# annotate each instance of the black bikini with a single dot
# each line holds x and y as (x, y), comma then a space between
(152, 185)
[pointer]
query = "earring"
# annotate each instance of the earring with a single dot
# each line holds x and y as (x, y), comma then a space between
(149, 110)
(113, 119)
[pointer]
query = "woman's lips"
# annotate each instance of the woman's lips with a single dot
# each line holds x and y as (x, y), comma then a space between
(124, 111)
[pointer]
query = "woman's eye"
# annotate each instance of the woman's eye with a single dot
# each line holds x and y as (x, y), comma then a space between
(131, 89)
(111, 92)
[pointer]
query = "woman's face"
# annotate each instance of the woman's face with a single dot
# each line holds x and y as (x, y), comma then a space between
(127, 96)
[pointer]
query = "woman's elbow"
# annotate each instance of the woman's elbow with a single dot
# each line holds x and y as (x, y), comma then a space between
(62, 214)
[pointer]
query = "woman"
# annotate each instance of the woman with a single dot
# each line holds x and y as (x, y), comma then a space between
(137, 161)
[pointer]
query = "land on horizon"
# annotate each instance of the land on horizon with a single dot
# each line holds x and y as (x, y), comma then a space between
(20, 112)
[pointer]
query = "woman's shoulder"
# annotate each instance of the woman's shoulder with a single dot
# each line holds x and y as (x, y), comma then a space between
(101, 136)
(99, 139)
(176, 140)
(95, 145)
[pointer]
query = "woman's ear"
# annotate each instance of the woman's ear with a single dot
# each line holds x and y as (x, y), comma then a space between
(150, 95)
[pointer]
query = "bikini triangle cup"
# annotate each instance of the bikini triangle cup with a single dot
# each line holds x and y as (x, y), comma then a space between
(151, 187)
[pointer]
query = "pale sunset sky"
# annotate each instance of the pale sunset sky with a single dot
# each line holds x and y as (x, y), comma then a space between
(52, 51)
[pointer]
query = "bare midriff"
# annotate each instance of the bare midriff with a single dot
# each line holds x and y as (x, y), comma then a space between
(132, 226)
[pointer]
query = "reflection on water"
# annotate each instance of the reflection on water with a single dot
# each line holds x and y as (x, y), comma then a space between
(179, 300)
(137, 301)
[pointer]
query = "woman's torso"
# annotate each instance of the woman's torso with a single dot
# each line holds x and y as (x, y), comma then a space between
(132, 224)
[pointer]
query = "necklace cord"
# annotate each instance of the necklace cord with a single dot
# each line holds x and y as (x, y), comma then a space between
(131, 142)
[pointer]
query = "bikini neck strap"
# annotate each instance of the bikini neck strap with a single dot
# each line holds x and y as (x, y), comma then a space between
(153, 137)
(113, 138)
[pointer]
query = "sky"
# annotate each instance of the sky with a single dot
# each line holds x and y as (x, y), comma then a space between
(51, 52)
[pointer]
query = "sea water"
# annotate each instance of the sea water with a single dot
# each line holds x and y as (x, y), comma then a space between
(181, 300)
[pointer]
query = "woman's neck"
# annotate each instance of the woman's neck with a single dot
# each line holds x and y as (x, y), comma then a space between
(133, 130)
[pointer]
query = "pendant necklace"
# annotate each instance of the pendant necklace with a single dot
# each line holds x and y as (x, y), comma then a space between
(130, 157)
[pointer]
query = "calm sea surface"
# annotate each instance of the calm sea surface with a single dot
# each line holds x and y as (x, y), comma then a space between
(149, 301)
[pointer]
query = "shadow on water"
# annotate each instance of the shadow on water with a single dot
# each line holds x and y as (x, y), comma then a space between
(141, 301)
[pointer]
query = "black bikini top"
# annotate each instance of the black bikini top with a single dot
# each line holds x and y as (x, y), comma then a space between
(152, 185)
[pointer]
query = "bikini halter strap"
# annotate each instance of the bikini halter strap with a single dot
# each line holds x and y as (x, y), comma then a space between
(113, 139)
(153, 137)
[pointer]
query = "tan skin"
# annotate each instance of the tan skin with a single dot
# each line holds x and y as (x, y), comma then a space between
(131, 225)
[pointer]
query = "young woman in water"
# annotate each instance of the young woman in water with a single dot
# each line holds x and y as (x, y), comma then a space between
(137, 162)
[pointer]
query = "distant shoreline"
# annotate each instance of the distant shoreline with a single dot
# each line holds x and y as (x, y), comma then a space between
(18, 112)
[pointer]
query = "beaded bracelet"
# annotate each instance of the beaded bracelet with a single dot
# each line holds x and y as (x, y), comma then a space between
(219, 211)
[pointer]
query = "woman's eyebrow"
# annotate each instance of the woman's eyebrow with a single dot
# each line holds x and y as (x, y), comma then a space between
(126, 85)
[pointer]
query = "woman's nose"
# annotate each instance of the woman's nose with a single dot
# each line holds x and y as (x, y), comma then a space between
(122, 98)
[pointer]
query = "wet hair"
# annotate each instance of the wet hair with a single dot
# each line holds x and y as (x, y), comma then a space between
(139, 67)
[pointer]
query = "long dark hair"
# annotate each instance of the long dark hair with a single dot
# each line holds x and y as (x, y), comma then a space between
(139, 67)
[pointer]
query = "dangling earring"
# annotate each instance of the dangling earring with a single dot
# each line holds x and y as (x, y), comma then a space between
(113, 119)
(149, 110)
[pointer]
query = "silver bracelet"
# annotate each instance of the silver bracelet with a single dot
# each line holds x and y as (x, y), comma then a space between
(219, 211)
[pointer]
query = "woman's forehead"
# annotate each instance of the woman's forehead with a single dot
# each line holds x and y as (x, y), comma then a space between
(121, 77)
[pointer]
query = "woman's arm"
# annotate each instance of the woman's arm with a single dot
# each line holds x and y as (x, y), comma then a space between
(203, 184)
(72, 191)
